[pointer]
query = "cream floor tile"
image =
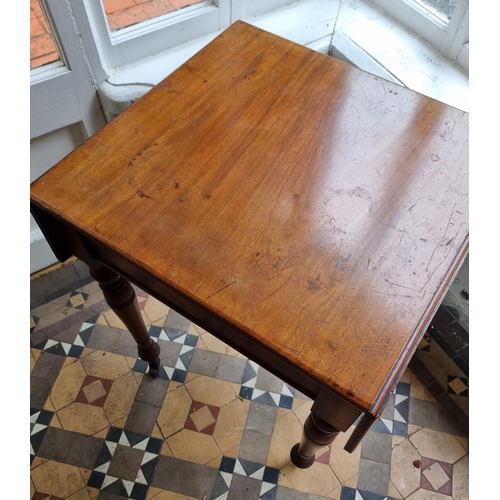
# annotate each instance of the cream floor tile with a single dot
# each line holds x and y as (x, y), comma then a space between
(82, 494)
(271, 462)
(303, 411)
(190, 376)
(231, 424)
(55, 422)
(58, 479)
(83, 418)
(393, 491)
(464, 441)
(113, 320)
(282, 412)
(165, 450)
(335, 494)
(86, 351)
(105, 365)
(397, 440)
(160, 322)
(418, 390)
(404, 475)
(210, 391)
(193, 447)
(32, 361)
(37, 461)
(233, 452)
(422, 494)
(287, 432)
(121, 397)
(215, 463)
(93, 493)
(437, 445)
(85, 474)
(352, 483)
(345, 465)
(461, 479)
(155, 309)
(36, 353)
(412, 429)
(48, 405)
(101, 320)
(297, 402)
(317, 479)
(152, 492)
(156, 432)
(174, 411)
(68, 384)
(283, 480)
(211, 343)
(69, 361)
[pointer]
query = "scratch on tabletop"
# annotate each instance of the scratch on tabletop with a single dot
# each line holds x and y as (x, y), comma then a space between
(286, 266)
(442, 239)
(291, 349)
(223, 288)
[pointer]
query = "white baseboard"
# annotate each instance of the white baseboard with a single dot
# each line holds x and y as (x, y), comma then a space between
(41, 255)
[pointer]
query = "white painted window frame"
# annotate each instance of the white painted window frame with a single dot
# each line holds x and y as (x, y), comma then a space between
(448, 36)
(148, 38)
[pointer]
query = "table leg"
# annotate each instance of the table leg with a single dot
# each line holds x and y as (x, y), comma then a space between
(120, 296)
(316, 434)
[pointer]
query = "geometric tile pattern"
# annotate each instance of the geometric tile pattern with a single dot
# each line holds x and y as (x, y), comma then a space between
(40, 420)
(354, 494)
(211, 416)
(398, 424)
(77, 300)
(202, 418)
(117, 447)
(72, 349)
(250, 392)
(177, 369)
(94, 391)
(267, 476)
(458, 386)
(436, 476)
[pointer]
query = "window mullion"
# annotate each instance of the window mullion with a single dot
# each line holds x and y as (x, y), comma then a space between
(457, 30)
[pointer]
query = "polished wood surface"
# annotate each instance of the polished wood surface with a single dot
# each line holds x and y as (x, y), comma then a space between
(316, 209)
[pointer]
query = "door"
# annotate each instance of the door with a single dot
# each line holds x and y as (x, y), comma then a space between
(64, 106)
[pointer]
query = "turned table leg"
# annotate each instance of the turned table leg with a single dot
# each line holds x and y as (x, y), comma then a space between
(316, 434)
(120, 296)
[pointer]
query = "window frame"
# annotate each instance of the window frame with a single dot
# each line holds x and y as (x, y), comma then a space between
(449, 37)
(153, 36)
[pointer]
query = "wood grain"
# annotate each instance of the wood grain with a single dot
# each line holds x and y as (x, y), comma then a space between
(316, 208)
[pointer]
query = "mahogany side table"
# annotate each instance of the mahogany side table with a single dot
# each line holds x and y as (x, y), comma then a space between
(308, 214)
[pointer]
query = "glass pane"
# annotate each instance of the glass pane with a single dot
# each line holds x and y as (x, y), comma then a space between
(444, 7)
(123, 13)
(42, 47)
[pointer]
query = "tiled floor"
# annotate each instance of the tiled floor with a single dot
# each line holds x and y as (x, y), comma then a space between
(214, 426)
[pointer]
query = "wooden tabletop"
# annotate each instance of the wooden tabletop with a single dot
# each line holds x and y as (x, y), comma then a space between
(319, 209)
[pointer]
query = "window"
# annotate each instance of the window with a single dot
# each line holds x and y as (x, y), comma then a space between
(127, 31)
(443, 23)
(43, 49)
